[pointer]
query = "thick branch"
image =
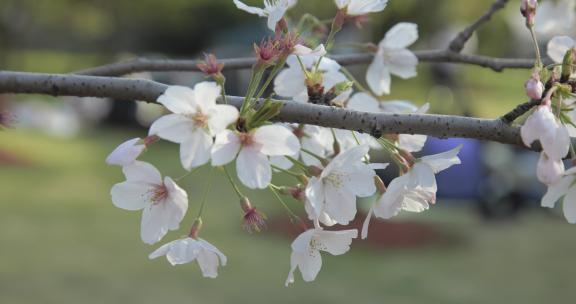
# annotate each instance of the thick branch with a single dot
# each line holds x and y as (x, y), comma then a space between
(460, 40)
(442, 126)
(159, 65)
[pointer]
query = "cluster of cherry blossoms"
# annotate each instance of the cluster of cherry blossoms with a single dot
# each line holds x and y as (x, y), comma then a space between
(331, 167)
(551, 122)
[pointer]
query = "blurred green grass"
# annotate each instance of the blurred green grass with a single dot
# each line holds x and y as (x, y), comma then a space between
(62, 241)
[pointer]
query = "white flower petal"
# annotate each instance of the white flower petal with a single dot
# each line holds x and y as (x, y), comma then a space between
(126, 153)
(361, 181)
(558, 46)
(378, 76)
(173, 127)
(444, 160)
(250, 9)
(195, 151)
(336, 242)
(548, 170)
(208, 262)
(556, 191)
(364, 102)
(253, 168)
(224, 115)
(130, 195)
(225, 148)
(309, 264)
(178, 99)
(402, 63)
(205, 94)
(276, 140)
(140, 171)
(400, 36)
(340, 204)
(315, 196)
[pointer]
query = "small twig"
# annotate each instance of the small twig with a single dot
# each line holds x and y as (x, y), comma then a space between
(167, 65)
(519, 110)
(458, 43)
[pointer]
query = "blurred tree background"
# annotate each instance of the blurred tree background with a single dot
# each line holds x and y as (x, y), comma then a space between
(62, 241)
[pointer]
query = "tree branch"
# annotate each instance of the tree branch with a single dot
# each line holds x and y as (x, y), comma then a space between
(441, 126)
(519, 110)
(159, 65)
(458, 43)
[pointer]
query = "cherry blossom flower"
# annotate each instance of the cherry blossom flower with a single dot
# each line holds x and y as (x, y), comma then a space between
(334, 191)
(558, 46)
(127, 152)
(187, 250)
(163, 201)
(196, 120)
(415, 190)
(564, 190)
(252, 150)
(367, 103)
(291, 82)
(307, 246)
(393, 58)
(274, 10)
(361, 7)
(543, 126)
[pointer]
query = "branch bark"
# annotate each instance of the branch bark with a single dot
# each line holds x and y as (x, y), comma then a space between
(164, 65)
(442, 126)
(458, 43)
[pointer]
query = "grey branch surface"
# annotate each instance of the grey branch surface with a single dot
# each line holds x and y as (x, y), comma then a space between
(171, 65)
(442, 126)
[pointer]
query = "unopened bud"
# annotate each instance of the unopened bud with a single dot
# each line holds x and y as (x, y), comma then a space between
(528, 10)
(534, 87)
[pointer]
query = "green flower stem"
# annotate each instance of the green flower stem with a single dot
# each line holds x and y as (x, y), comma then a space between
(205, 195)
(279, 198)
(536, 47)
(234, 186)
(277, 68)
(257, 73)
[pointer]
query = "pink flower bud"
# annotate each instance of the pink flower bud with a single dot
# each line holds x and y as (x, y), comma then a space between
(534, 87)
(528, 10)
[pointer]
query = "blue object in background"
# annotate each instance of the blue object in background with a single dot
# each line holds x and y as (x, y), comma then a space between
(459, 181)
